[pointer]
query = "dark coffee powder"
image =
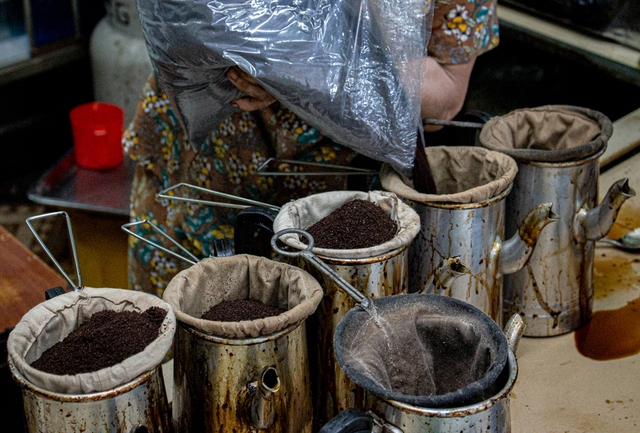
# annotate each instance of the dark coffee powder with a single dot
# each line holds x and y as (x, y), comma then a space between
(106, 339)
(357, 224)
(241, 309)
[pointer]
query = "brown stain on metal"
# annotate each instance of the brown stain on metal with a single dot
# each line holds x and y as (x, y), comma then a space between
(540, 297)
(613, 274)
(208, 389)
(611, 334)
(111, 410)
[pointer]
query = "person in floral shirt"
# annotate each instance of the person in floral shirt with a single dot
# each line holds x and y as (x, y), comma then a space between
(228, 159)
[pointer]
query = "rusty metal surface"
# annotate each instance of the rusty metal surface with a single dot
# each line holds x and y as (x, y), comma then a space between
(141, 402)
(383, 275)
(490, 416)
(474, 234)
(554, 292)
(214, 382)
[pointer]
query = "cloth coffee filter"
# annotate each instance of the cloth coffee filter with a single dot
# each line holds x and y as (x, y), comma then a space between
(429, 351)
(194, 291)
(461, 174)
(51, 321)
(553, 133)
(303, 213)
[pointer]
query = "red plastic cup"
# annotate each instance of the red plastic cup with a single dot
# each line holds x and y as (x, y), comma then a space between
(97, 134)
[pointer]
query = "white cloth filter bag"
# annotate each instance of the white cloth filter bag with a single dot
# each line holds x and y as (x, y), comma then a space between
(461, 174)
(51, 321)
(194, 291)
(303, 213)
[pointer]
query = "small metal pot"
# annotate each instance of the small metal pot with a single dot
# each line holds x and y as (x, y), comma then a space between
(138, 406)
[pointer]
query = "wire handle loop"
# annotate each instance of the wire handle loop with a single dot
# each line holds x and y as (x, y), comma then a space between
(71, 241)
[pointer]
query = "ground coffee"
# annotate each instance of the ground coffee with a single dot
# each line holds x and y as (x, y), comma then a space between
(357, 224)
(106, 339)
(241, 309)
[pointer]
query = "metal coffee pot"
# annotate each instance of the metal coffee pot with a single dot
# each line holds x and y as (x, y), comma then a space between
(471, 229)
(554, 293)
(244, 376)
(139, 405)
(557, 149)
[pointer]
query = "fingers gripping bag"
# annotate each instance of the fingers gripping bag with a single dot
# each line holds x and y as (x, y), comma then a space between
(350, 68)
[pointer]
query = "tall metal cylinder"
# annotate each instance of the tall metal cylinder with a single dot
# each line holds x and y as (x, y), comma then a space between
(554, 292)
(216, 382)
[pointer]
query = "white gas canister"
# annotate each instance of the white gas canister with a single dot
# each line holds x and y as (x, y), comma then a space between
(119, 59)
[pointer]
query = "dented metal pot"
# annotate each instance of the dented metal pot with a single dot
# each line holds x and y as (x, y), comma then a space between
(474, 232)
(138, 406)
(241, 385)
(554, 293)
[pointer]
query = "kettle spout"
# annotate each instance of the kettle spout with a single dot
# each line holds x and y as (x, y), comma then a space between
(594, 224)
(515, 252)
(259, 405)
(446, 273)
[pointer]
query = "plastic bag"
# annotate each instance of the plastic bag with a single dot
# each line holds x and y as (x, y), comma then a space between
(350, 68)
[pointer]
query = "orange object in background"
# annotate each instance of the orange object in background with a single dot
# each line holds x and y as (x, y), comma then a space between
(97, 132)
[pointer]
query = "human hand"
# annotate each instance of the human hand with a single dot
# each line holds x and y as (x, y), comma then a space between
(256, 98)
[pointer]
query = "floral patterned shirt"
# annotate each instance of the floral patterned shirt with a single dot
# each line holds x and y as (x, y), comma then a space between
(229, 159)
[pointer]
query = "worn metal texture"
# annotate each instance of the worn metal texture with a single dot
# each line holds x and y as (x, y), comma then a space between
(554, 291)
(490, 416)
(471, 231)
(139, 404)
(215, 382)
(375, 277)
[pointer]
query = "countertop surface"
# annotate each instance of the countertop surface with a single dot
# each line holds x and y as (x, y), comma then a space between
(23, 280)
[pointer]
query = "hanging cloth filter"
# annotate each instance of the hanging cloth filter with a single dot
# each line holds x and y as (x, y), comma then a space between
(461, 174)
(553, 133)
(425, 350)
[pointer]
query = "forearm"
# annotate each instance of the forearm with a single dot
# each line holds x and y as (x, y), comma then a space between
(444, 88)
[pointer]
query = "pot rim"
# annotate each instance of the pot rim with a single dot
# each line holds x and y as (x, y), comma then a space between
(239, 341)
(463, 411)
(363, 260)
(463, 206)
(81, 398)
(566, 164)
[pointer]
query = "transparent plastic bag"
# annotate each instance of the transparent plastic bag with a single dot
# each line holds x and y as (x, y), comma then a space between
(350, 68)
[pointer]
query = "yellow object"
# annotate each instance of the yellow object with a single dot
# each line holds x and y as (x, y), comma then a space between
(102, 249)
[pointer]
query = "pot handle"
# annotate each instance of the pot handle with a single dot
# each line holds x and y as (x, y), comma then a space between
(349, 421)
(58, 290)
(253, 231)
(514, 330)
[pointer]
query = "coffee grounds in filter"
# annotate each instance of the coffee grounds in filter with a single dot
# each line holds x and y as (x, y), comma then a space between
(357, 224)
(240, 309)
(104, 340)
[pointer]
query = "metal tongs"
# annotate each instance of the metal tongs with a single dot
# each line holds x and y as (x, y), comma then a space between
(53, 292)
(284, 163)
(253, 225)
